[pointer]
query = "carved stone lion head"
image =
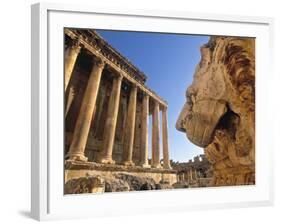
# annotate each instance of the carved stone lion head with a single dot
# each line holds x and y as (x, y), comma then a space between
(219, 113)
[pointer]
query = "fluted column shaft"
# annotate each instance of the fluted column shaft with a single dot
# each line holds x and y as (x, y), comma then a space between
(166, 158)
(130, 128)
(71, 54)
(99, 112)
(156, 137)
(111, 120)
(190, 174)
(69, 99)
(144, 131)
(83, 123)
(195, 174)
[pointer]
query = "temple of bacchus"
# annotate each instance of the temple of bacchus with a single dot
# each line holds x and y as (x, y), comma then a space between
(107, 109)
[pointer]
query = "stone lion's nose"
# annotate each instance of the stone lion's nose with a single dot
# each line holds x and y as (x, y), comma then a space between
(180, 124)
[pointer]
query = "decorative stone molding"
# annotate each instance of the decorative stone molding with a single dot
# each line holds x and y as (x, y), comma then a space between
(98, 62)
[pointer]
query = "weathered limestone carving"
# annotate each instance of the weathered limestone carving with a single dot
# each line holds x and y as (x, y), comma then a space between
(219, 113)
(114, 182)
(116, 185)
(85, 185)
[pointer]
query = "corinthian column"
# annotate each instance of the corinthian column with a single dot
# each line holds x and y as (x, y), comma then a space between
(71, 54)
(166, 158)
(110, 125)
(156, 137)
(83, 123)
(144, 132)
(190, 174)
(69, 99)
(130, 129)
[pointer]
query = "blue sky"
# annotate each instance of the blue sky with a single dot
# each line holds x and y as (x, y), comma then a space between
(169, 61)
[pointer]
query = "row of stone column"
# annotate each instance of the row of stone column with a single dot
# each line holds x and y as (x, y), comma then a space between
(189, 175)
(87, 112)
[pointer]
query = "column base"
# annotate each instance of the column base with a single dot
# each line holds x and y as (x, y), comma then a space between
(106, 161)
(145, 166)
(167, 167)
(158, 166)
(128, 163)
(77, 157)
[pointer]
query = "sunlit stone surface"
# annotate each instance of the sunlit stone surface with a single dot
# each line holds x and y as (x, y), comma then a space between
(107, 108)
(219, 113)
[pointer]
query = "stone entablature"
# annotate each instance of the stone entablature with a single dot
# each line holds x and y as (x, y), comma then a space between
(109, 106)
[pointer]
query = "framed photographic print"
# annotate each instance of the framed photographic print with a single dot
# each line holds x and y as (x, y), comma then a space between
(148, 111)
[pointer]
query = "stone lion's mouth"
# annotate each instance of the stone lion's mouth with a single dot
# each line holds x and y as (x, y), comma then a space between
(226, 126)
(228, 122)
(224, 136)
(205, 118)
(201, 120)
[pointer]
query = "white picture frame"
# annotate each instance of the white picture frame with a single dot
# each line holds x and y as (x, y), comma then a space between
(48, 201)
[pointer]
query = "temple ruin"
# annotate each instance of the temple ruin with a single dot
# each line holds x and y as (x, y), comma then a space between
(197, 172)
(107, 109)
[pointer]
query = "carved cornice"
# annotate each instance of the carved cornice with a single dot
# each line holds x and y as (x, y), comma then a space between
(100, 48)
(110, 53)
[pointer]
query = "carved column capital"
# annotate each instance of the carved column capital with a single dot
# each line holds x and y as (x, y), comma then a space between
(98, 62)
(71, 54)
(119, 77)
(75, 44)
(134, 87)
(164, 108)
(156, 103)
(145, 95)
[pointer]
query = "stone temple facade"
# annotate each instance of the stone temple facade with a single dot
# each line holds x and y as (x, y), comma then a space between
(107, 109)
